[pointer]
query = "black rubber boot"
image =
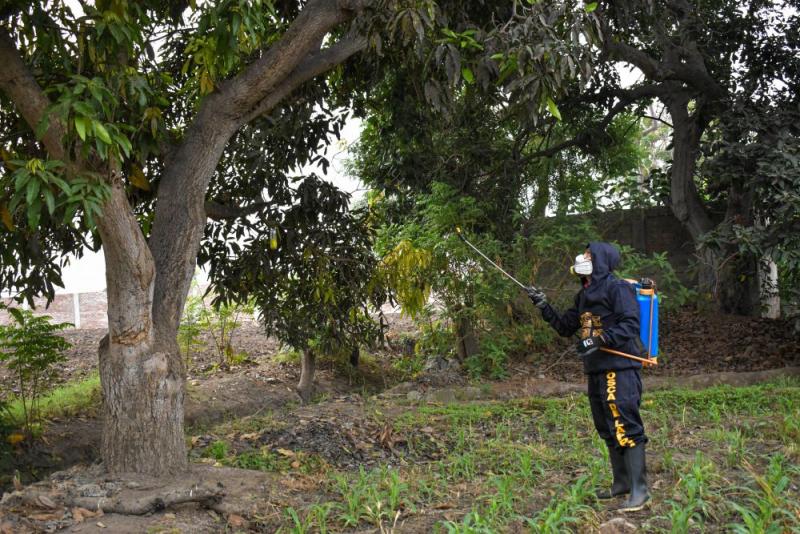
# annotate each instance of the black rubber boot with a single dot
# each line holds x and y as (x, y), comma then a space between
(621, 482)
(637, 469)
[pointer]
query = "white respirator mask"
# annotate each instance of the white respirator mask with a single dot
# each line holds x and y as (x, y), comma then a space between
(582, 267)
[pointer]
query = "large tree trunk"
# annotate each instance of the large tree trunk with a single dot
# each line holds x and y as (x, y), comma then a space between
(685, 202)
(305, 387)
(142, 380)
(180, 213)
(732, 280)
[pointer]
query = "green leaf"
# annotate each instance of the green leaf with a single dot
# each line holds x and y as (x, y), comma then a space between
(69, 214)
(5, 216)
(138, 179)
(63, 185)
(83, 108)
(41, 128)
(32, 191)
(101, 132)
(123, 142)
(80, 127)
(467, 74)
(590, 7)
(551, 106)
(34, 212)
(50, 200)
(18, 315)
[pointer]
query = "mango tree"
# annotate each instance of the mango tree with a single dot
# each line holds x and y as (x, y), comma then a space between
(115, 116)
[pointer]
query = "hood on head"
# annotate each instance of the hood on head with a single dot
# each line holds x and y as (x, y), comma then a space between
(605, 258)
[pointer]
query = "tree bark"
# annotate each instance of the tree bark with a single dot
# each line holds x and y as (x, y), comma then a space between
(685, 201)
(305, 387)
(684, 198)
(466, 340)
(142, 381)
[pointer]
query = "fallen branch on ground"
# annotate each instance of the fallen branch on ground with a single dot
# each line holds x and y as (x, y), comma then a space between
(129, 505)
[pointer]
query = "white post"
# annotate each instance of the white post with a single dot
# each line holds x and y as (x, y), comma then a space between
(76, 309)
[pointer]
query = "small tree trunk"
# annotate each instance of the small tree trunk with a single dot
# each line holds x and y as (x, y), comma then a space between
(466, 340)
(305, 387)
(739, 287)
(355, 354)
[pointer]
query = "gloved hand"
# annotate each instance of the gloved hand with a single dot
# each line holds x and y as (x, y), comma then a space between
(537, 296)
(590, 345)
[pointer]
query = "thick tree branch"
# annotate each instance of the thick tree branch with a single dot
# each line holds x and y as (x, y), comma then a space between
(316, 64)
(220, 212)
(261, 78)
(681, 63)
(626, 98)
(22, 88)
(625, 52)
(205, 495)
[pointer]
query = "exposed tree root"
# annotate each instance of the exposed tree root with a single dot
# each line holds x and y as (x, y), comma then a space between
(131, 505)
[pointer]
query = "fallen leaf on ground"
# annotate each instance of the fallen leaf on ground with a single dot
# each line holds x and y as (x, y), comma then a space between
(285, 452)
(15, 438)
(46, 502)
(236, 520)
(101, 525)
(52, 516)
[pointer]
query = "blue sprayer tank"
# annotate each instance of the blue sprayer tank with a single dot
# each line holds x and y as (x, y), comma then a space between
(647, 298)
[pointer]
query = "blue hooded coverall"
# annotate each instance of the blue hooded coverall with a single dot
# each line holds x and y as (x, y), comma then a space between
(607, 306)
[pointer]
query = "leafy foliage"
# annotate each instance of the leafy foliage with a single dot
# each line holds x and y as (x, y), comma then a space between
(31, 348)
(309, 269)
(756, 153)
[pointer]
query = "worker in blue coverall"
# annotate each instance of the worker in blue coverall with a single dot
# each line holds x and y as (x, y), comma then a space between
(607, 315)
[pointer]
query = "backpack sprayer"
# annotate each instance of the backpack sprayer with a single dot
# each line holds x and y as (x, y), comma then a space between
(646, 297)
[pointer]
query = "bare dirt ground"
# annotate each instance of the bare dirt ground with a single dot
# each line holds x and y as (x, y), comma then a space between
(348, 427)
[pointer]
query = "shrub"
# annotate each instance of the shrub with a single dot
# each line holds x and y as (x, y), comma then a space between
(31, 349)
(191, 327)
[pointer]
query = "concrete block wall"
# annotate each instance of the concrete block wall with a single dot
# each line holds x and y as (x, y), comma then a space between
(84, 310)
(650, 230)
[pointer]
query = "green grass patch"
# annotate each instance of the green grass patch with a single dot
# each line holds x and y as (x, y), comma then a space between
(73, 398)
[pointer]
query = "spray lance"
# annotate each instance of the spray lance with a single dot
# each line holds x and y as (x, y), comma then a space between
(643, 361)
(484, 256)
